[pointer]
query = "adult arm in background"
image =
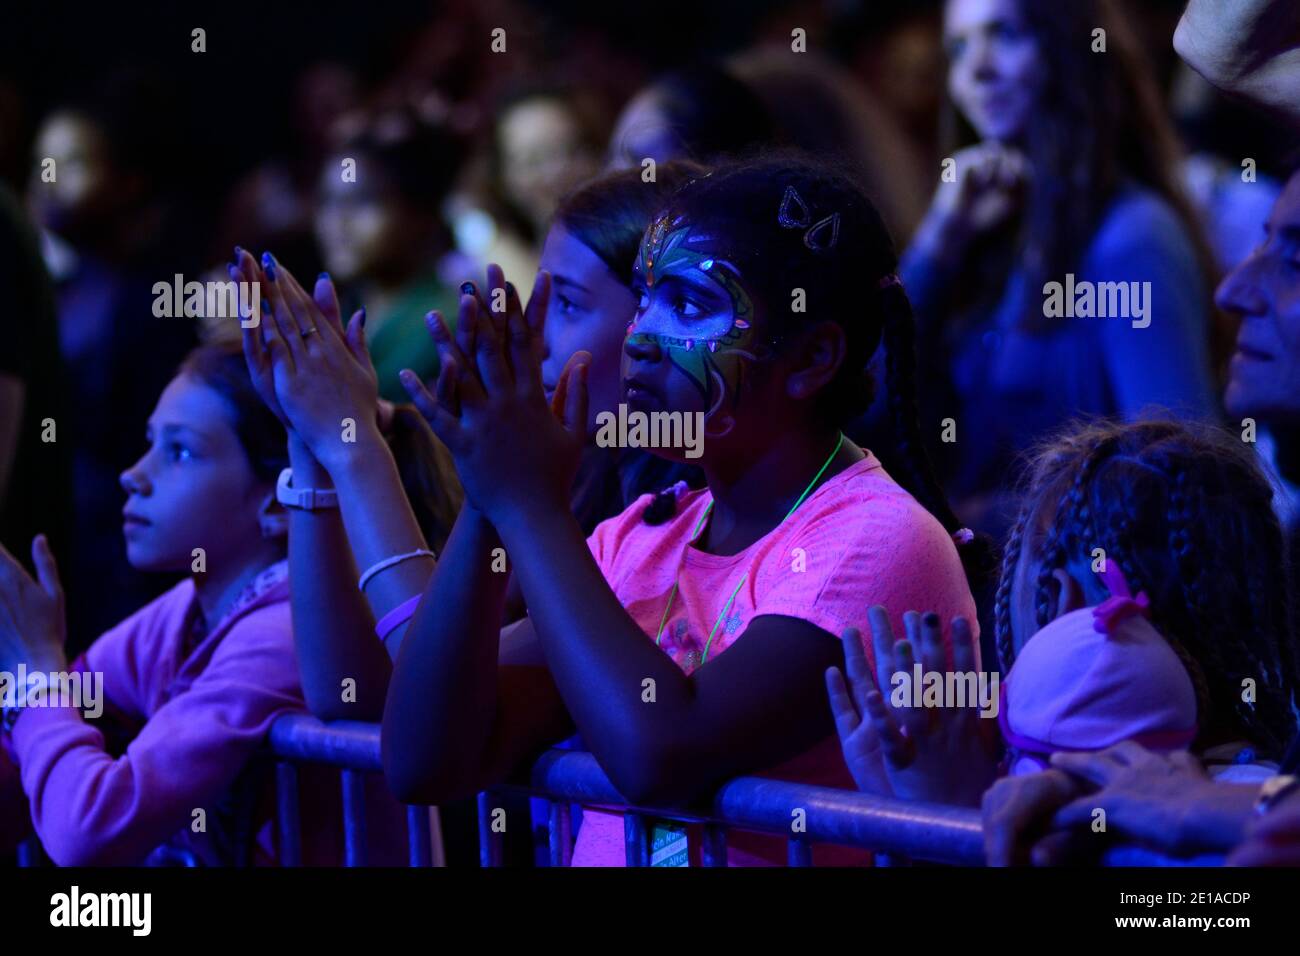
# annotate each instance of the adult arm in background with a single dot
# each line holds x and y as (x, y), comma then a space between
(1247, 47)
(1164, 802)
(1162, 359)
(313, 383)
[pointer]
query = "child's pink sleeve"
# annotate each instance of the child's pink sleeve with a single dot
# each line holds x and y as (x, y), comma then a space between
(92, 809)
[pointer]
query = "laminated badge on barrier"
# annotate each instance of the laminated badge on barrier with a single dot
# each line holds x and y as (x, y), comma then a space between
(668, 844)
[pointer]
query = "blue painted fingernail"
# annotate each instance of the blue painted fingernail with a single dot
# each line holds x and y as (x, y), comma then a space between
(238, 252)
(268, 264)
(323, 275)
(467, 288)
(234, 273)
(363, 316)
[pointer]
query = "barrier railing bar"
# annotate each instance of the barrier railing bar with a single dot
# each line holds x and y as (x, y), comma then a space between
(928, 832)
(713, 852)
(418, 837)
(560, 838)
(636, 839)
(286, 806)
(354, 818)
(490, 848)
(798, 852)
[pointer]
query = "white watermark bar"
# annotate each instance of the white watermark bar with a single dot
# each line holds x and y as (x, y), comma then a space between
(651, 430)
(81, 689)
(208, 300)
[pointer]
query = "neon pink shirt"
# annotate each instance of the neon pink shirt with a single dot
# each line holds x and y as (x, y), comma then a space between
(857, 541)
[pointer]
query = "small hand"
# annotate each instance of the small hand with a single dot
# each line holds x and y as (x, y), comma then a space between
(944, 754)
(512, 450)
(33, 624)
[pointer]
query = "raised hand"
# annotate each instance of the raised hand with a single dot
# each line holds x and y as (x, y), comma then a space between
(32, 620)
(989, 178)
(513, 451)
(314, 373)
(944, 754)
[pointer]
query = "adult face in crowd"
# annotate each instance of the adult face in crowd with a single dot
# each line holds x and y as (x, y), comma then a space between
(1264, 290)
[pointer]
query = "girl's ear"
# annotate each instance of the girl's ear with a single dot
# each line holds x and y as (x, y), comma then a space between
(272, 517)
(818, 362)
(1069, 595)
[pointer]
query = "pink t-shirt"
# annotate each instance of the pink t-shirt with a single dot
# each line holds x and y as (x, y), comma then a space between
(857, 541)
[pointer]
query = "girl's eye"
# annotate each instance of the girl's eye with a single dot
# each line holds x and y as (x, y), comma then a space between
(566, 304)
(178, 452)
(686, 308)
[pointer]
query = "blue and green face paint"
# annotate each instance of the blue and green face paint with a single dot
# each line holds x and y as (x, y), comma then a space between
(694, 306)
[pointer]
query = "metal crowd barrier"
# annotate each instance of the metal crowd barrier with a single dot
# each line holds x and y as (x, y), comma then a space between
(564, 777)
(895, 831)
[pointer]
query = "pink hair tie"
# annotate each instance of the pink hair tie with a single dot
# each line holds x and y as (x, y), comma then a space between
(1121, 604)
(963, 536)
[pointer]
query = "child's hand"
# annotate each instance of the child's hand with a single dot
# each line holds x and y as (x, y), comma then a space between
(513, 451)
(325, 387)
(858, 738)
(32, 621)
(942, 754)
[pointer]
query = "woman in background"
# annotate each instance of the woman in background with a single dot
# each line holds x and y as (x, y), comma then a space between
(1070, 171)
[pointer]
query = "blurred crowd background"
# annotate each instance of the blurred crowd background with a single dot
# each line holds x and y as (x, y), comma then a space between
(167, 158)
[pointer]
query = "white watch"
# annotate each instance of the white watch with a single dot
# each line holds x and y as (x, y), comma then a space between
(308, 499)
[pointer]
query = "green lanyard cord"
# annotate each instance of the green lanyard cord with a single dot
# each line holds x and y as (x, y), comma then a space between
(699, 525)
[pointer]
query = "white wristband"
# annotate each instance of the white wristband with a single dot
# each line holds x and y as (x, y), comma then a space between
(387, 563)
(307, 499)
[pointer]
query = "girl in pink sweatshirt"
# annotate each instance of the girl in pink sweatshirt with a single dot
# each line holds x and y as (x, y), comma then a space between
(180, 695)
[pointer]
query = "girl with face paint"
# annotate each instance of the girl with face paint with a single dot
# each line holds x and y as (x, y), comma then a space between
(728, 614)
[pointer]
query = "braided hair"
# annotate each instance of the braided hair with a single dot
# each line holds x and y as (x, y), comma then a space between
(1187, 514)
(794, 223)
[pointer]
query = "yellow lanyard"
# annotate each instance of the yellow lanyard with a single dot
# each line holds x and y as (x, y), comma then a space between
(699, 526)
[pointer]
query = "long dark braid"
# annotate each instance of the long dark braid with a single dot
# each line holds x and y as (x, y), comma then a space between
(1186, 513)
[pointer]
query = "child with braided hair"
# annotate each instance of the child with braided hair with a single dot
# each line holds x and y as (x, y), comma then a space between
(1143, 597)
(1175, 521)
